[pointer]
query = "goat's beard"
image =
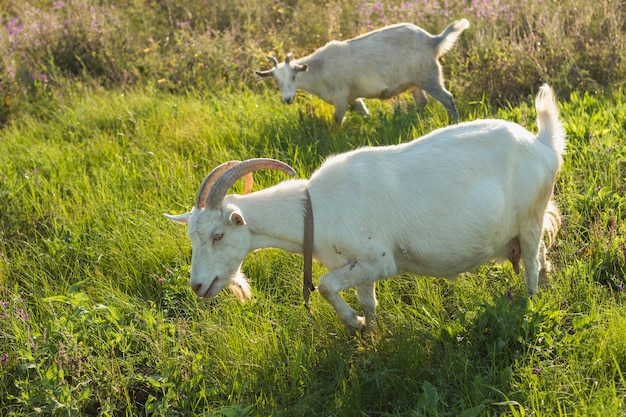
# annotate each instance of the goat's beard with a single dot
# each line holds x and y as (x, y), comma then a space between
(240, 287)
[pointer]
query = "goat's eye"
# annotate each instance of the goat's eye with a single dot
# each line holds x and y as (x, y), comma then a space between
(217, 237)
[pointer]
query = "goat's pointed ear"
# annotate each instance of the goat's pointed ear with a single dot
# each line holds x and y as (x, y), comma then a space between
(237, 219)
(302, 68)
(178, 218)
(263, 74)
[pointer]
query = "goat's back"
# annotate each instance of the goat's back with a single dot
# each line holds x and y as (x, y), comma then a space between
(401, 50)
(459, 191)
(399, 33)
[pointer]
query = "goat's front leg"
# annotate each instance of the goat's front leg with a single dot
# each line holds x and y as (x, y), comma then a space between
(367, 301)
(359, 106)
(340, 111)
(360, 274)
(419, 96)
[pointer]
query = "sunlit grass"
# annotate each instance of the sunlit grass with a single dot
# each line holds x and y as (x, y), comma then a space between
(112, 114)
(187, 46)
(98, 317)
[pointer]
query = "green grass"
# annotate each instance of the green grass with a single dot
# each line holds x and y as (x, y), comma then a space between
(213, 47)
(112, 114)
(98, 317)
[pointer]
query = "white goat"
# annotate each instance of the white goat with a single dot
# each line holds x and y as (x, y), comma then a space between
(440, 205)
(380, 64)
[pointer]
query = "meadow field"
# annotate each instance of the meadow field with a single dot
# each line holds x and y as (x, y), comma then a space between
(113, 112)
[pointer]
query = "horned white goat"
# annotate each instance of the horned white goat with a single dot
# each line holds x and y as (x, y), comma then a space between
(380, 64)
(440, 205)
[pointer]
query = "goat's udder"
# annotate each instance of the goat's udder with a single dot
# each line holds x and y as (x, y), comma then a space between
(515, 254)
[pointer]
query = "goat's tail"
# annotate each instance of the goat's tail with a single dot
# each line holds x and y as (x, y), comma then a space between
(445, 40)
(551, 132)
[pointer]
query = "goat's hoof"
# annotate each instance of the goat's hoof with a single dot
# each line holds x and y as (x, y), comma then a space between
(358, 326)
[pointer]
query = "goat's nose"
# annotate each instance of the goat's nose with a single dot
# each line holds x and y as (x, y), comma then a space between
(288, 100)
(196, 288)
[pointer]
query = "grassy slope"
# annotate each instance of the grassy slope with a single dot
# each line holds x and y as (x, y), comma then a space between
(98, 316)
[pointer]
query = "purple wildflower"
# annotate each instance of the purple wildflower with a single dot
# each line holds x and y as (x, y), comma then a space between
(12, 27)
(12, 23)
(57, 5)
(536, 371)
(4, 358)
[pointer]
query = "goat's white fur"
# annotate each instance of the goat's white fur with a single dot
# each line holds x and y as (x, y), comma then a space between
(440, 205)
(380, 64)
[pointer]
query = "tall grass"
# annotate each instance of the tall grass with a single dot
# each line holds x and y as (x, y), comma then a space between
(210, 46)
(113, 112)
(98, 317)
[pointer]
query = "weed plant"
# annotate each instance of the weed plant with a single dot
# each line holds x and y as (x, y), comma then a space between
(115, 117)
(208, 46)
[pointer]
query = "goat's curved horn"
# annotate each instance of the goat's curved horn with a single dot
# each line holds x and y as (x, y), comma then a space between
(213, 176)
(273, 59)
(288, 59)
(228, 178)
(249, 181)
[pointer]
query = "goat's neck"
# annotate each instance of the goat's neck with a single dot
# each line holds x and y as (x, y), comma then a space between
(309, 80)
(275, 216)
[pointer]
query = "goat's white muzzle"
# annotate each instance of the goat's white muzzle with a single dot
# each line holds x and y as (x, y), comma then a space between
(202, 291)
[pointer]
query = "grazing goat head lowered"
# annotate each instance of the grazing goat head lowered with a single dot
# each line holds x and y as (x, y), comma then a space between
(440, 205)
(379, 64)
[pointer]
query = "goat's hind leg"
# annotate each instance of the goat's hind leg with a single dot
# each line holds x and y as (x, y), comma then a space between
(434, 87)
(530, 243)
(544, 266)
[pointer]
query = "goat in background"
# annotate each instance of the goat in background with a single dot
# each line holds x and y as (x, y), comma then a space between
(380, 64)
